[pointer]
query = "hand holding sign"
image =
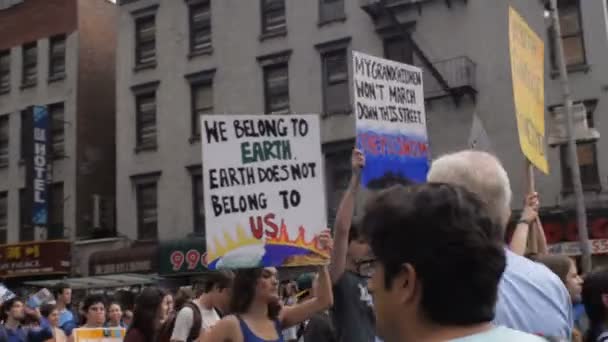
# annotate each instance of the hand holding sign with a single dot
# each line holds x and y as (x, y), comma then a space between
(325, 242)
(357, 161)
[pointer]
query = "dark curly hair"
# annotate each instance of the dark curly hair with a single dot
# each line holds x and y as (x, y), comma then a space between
(244, 285)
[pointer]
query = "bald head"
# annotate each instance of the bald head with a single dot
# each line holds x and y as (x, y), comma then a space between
(480, 173)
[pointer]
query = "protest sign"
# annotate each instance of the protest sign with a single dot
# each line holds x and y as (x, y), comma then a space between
(527, 69)
(99, 334)
(264, 194)
(5, 294)
(391, 121)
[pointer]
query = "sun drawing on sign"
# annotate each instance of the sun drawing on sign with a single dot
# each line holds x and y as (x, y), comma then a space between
(218, 250)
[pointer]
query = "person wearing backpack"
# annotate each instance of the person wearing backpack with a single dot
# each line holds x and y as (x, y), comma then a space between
(202, 313)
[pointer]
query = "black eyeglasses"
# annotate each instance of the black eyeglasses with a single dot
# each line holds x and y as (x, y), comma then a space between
(366, 267)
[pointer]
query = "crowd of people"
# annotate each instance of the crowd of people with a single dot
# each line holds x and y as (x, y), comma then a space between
(428, 262)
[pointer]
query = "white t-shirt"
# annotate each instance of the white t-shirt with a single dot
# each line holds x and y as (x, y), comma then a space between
(184, 321)
(501, 334)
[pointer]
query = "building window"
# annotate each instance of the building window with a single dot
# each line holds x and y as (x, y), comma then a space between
(4, 140)
(3, 216)
(145, 41)
(57, 116)
(276, 89)
(572, 34)
(587, 159)
(30, 65)
(57, 58)
(331, 10)
(338, 176)
(56, 203)
(5, 72)
(201, 99)
(273, 17)
(399, 50)
(198, 203)
(26, 231)
(25, 132)
(200, 27)
(145, 112)
(334, 62)
(147, 206)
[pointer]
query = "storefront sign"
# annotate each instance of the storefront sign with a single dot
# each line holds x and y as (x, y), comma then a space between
(182, 257)
(35, 258)
(139, 259)
(562, 227)
(599, 246)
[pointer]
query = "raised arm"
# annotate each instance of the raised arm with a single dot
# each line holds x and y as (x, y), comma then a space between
(324, 299)
(529, 215)
(541, 238)
(344, 218)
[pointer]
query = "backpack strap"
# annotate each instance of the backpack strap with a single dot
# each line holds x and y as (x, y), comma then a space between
(197, 321)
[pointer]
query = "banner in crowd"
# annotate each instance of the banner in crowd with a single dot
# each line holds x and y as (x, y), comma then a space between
(99, 334)
(391, 120)
(527, 69)
(264, 193)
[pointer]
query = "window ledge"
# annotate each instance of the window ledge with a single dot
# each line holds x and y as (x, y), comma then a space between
(28, 85)
(56, 78)
(326, 22)
(588, 188)
(4, 165)
(60, 156)
(201, 52)
(5, 91)
(195, 139)
(273, 34)
(140, 67)
(585, 68)
(146, 148)
(21, 161)
(345, 111)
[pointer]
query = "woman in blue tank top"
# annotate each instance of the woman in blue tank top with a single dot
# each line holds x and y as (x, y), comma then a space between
(257, 315)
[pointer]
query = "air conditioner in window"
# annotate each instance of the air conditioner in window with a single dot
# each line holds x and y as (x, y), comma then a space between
(558, 130)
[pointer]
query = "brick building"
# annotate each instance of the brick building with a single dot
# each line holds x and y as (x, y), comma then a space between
(59, 54)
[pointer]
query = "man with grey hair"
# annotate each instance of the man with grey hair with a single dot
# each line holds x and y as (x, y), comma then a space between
(531, 298)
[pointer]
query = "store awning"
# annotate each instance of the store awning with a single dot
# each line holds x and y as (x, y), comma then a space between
(135, 259)
(100, 282)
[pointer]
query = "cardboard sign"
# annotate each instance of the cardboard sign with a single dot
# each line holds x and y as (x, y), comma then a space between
(264, 193)
(391, 121)
(99, 334)
(527, 69)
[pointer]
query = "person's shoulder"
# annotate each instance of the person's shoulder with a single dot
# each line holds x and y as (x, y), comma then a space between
(525, 269)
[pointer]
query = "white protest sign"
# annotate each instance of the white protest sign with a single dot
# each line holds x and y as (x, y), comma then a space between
(264, 193)
(391, 121)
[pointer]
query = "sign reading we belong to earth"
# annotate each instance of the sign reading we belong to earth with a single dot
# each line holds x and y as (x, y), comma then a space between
(264, 193)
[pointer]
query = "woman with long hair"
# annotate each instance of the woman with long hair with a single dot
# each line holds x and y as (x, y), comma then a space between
(167, 306)
(595, 290)
(94, 310)
(147, 316)
(257, 313)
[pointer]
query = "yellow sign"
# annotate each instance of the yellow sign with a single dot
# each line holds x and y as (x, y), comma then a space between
(528, 71)
(99, 334)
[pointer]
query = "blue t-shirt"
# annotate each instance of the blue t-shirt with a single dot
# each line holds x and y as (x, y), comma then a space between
(501, 334)
(67, 323)
(533, 299)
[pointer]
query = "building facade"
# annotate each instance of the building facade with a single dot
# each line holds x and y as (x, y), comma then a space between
(59, 54)
(181, 59)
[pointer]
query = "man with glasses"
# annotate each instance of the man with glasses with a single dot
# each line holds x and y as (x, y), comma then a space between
(353, 311)
(437, 266)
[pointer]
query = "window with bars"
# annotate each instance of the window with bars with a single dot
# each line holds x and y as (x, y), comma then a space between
(145, 41)
(4, 140)
(198, 202)
(200, 27)
(338, 177)
(147, 209)
(571, 24)
(57, 57)
(202, 103)
(30, 65)
(3, 216)
(273, 17)
(398, 49)
(56, 205)
(336, 96)
(331, 10)
(276, 88)
(145, 115)
(587, 159)
(57, 116)
(5, 71)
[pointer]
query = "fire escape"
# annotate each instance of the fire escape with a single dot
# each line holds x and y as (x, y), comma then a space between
(453, 77)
